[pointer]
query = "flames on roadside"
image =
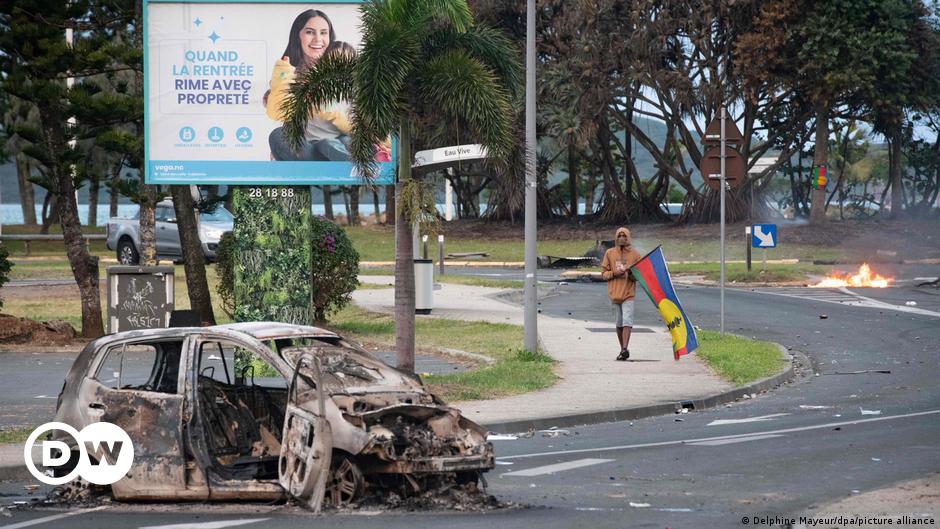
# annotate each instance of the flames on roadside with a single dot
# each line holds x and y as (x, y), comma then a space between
(864, 278)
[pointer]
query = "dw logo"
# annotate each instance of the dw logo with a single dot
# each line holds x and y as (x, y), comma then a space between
(105, 453)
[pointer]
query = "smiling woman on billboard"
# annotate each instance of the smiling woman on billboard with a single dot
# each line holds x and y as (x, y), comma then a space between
(216, 80)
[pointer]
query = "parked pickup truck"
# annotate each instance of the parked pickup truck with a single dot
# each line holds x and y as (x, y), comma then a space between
(124, 234)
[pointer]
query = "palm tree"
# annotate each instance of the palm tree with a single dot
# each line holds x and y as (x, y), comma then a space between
(419, 58)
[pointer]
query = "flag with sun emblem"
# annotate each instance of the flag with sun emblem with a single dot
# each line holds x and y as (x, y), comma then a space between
(651, 273)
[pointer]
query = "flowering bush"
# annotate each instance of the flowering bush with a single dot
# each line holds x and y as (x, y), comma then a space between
(335, 268)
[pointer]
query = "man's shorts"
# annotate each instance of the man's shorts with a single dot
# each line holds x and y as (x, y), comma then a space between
(623, 313)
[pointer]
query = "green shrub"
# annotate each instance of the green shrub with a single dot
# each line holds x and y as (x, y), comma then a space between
(335, 268)
(225, 268)
(5, 267)
(333, 275)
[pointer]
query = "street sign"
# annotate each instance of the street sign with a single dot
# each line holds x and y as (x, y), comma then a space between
(710, 166)
(764, 236)
(712, 135)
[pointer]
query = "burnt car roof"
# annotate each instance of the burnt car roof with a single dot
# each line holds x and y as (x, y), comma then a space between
(259, 330)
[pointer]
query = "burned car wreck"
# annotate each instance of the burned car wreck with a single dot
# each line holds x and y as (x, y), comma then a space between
(254, 411)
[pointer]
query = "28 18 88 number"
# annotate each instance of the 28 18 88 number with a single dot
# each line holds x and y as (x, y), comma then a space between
(270, 192)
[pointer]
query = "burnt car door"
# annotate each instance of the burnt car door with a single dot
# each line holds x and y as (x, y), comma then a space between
(307, 441)
(136, 385)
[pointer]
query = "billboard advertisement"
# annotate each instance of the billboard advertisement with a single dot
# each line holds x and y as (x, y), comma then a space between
(215, 76)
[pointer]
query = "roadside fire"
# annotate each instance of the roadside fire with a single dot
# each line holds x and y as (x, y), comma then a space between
(864, 278)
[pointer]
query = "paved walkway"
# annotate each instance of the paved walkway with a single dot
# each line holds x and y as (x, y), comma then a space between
(591, 381)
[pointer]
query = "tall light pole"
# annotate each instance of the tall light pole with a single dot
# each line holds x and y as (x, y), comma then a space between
(722, 142)
(530, 294)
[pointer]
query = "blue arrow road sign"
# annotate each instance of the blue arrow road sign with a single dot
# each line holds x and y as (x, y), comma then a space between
(764, 236)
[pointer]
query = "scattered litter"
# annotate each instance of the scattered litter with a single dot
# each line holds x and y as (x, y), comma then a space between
(810, 407)
(680, 420)
(5, 512)
(837, 415)
(673, 509)
(501, 437)
(824, 316)
(856, 491)
(875, 459)
(532, 485)
(31, 487)
(911, 303)
(869, 412)
(684, 410)
(554, 431)
(639, 505)
(837, 429)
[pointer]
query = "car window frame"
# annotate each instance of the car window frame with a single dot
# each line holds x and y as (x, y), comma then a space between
(104, 351)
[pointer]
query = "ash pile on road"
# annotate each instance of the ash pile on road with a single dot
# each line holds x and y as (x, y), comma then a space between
(79, 493)
(445, 495)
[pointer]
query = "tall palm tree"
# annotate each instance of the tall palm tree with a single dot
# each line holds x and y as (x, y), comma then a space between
(419, 58)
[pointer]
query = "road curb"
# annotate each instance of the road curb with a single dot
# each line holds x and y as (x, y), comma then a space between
(642, 412)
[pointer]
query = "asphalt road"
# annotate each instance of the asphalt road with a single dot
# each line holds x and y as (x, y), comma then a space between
(821, 438)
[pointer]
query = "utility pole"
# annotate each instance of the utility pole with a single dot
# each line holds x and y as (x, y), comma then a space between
(530, 294)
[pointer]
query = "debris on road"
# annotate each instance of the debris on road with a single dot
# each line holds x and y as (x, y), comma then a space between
(869, 412)
(812, 407)
(639, 505)
(554, 431)
(861, 372)
(501, 437)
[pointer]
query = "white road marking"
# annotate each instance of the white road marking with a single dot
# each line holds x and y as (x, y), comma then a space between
(44, 397)
(560, 467)
(720, 442)
(54, 517)
(208, 525)
(850, 299)
(762, 418)
(700, 439)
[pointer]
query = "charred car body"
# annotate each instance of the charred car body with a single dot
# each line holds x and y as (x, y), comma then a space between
(250, 411)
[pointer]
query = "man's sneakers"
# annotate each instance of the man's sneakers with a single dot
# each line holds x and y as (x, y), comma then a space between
(624, 355)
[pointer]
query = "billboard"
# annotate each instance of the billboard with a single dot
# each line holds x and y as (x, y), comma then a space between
(215, 75)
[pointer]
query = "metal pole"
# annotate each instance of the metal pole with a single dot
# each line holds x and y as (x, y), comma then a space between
(440, 252)
(722, 200)
(530, 295)
(747, 245)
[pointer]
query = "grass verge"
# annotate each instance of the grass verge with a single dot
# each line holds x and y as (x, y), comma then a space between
(737, 272)
(17, 434)
(515, 371)
(740, 360)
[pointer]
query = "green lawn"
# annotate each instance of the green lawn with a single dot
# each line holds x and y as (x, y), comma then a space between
(59, 303)
(515, 371)
(15, 435)
(737, 272)
(739, 360)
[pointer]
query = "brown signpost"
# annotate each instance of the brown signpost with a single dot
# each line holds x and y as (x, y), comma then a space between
(710, 166)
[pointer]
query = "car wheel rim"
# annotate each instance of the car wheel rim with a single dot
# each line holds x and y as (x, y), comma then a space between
(345, 484)
(127, 256)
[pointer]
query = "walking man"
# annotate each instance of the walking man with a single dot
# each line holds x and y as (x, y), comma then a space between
(621, 286)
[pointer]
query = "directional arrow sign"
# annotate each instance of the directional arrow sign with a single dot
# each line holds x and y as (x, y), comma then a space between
(764, 236)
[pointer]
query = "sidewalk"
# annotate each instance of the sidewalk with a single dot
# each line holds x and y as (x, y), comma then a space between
(591, 381)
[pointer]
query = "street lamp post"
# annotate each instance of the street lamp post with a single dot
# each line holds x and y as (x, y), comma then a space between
(530, 293)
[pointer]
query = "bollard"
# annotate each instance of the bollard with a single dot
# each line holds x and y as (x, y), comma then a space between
(440, 248)
(747, 243)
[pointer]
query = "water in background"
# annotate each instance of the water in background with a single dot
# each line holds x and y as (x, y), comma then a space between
(13, 213)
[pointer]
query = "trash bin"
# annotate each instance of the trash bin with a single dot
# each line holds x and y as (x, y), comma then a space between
(139, 297)
(424, 286)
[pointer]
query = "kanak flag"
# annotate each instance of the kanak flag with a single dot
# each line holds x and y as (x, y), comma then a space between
(651, 273)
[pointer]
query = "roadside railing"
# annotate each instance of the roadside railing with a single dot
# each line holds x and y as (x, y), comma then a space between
(29, 238)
